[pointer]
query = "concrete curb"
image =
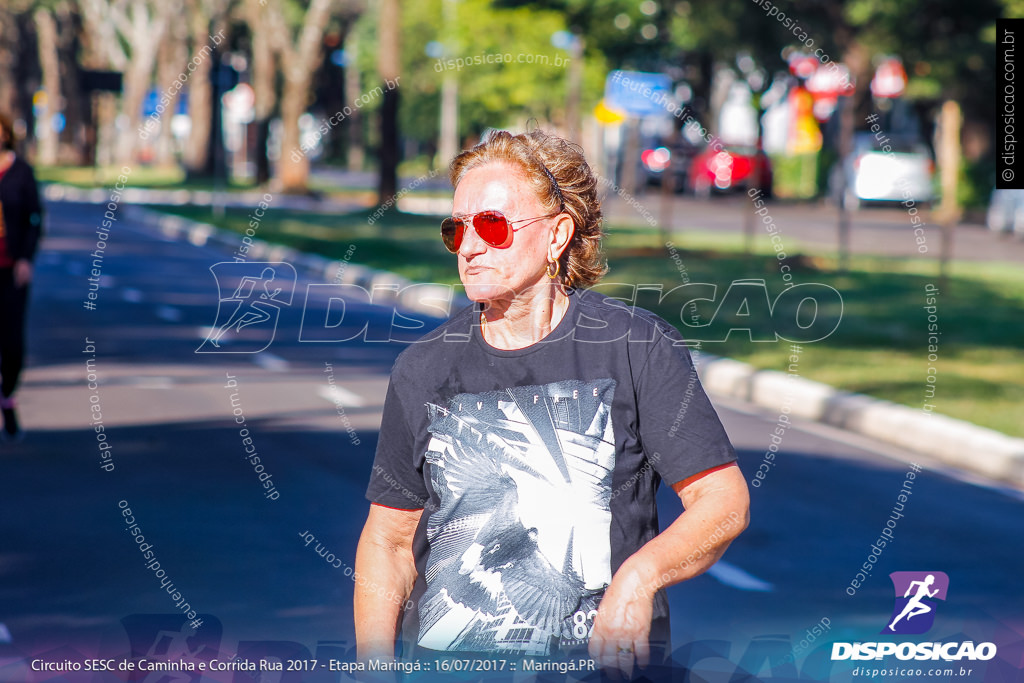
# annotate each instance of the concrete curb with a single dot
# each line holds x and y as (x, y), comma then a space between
(383, 286)
(182, 197)
(955, 442)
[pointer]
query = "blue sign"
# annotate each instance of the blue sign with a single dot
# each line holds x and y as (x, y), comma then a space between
(152, 99)
(639, 93)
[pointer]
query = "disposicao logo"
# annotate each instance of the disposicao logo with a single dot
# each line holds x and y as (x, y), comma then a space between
(916, 596)
(916, 593)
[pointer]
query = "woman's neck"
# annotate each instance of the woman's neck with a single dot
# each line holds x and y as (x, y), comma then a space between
(524, 322)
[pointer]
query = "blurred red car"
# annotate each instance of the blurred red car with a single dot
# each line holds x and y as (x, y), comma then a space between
(731, 168)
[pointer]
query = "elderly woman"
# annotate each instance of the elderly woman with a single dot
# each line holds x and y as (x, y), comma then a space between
(513, 491)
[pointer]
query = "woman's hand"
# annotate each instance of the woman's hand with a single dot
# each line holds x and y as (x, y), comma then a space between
(623, 623)
(22, 273)
(717, 510)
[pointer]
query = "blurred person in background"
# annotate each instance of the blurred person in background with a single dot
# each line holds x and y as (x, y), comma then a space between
(522, 443)
(21, 220)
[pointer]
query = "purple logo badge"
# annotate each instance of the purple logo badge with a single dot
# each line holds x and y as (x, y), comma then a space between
(916, 593)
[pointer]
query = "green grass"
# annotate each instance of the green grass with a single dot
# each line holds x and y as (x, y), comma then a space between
(156, 177)
(406, 244)
(174, 178)
(879, 347)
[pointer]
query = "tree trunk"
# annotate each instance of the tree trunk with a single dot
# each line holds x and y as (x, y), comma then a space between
(72, 140)
(148, 28)
(49, 62)
(356, 157)
(105, 113)
(448, 135)
(135, 83)
(195, 155)
(170, 65)
(857, 61)
(263, 86)
(26, 76)
(300, 58)
(261, 158)
(8, 60)
(388, 64)
(216, 166)
(293, 164)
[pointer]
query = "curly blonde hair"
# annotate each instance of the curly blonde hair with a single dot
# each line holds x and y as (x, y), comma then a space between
(561, 177)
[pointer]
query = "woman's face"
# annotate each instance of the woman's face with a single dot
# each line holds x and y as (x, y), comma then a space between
(491, 274)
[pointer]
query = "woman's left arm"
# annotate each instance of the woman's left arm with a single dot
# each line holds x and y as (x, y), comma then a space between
(32, 231)
(716, 504)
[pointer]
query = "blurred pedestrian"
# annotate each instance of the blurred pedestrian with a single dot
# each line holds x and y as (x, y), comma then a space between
(21, 221)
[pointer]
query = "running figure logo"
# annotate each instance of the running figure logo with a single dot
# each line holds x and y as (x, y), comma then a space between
(259, 290)
(916, 592)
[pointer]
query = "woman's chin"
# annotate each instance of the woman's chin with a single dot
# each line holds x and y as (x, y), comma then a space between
(486, 292)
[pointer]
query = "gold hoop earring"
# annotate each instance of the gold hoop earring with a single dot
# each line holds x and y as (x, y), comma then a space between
(557, 265)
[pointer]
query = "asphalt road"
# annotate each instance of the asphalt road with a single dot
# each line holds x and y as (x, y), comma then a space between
(73, 583)
(880, 229)
(883, 230)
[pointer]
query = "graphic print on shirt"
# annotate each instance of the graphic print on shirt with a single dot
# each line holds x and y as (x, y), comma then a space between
(519, 547)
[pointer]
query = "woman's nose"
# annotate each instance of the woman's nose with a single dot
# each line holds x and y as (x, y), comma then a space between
(472, 244)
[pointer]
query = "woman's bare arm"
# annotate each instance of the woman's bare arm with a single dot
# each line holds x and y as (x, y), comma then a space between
(384, 574)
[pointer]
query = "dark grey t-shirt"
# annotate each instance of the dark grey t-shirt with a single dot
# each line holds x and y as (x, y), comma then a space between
(537, 470)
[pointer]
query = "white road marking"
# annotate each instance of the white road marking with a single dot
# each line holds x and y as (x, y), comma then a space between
(733, 576)
(169, 313)
(337, 394)
(152, 382)
(269, 361)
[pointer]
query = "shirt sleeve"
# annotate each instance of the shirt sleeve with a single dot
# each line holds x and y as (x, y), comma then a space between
(395, 480)
(680, 431)
(35, 216)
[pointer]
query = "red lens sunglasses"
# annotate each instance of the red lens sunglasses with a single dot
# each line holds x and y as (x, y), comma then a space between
(492, 226)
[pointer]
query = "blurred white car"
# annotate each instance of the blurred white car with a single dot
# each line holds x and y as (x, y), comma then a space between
(875, 175)
(1006, 211)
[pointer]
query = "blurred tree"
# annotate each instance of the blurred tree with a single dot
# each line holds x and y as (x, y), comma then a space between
(946, 44)
(329, 92)
(296, 38)
(19, 73)
(614, 28)
(356, 151)
(73, 102)
(206, 18)
(264, 85)
(9, 46)
(50, 105)
(528, 82)
(506, 67)
(389, 57)
(171, 60)
(128, 35)
(59, 103)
